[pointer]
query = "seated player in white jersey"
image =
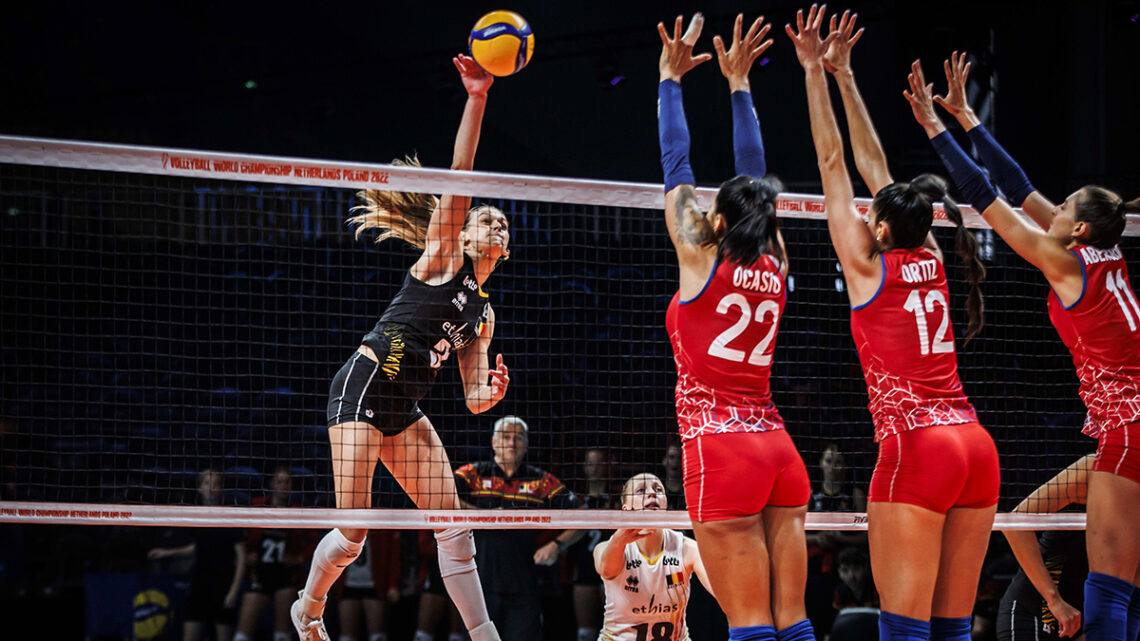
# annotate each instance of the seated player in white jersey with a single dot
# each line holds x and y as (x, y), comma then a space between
(646, 572)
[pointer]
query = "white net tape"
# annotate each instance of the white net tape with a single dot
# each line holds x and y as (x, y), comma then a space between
(240, 517)
(299, 171)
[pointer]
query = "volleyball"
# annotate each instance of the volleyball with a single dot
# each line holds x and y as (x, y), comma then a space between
(152, 612)
(501, 43)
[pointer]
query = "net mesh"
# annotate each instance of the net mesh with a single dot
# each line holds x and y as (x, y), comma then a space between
(156, 326)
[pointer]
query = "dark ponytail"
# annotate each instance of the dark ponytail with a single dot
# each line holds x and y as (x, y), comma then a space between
(966, 246)
(1106, 214)
(748, 205)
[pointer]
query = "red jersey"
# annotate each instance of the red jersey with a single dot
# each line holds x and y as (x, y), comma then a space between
(1100, 330)
(906, 347)
(723, 341)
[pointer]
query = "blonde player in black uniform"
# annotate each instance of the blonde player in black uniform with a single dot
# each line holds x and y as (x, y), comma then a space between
(646, 572)
(373, 412)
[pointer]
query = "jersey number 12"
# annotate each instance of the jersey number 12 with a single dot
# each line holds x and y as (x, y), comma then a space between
(914, 303)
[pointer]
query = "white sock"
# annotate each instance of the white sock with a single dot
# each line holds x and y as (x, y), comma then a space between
(333, 554)
(422, 636)
(240, 636)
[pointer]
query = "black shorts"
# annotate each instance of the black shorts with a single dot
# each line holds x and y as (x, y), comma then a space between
(205, 602)
(1021, 621)
(361, 392)
(358, 594)
(267, 579)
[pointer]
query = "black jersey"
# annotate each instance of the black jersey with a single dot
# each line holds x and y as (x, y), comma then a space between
(1068, 565)
(427, 322)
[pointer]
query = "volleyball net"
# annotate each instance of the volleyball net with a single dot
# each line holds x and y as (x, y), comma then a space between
(167, 312)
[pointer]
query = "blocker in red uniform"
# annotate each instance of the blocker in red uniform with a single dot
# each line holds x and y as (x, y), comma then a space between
(906, 346)
(1101, 331)
(723, 341)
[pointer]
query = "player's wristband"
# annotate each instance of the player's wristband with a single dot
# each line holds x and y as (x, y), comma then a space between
(673, 134)
(747, 144)
(1006, 172)
(968, 176)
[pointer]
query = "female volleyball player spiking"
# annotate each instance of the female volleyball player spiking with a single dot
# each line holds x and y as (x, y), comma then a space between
(722, 323)
(646, 572)
(373, 412)
(935, 486)
(1095, 311)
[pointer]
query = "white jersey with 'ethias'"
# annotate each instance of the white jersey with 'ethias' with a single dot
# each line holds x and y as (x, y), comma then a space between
(646, 600)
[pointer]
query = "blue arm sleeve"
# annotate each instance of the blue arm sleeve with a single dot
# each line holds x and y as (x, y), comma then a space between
(747, 145)
(967, 175)
(673, 134)
(1005, 170)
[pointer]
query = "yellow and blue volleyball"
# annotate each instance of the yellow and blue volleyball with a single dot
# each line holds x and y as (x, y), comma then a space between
(501, 43)
(152, 613)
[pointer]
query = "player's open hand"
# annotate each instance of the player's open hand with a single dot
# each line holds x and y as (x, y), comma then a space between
(475, 80)
(838, 56)
(737, 60)
(920, 95)
(957, 71)
(810, 48)
(677, 52)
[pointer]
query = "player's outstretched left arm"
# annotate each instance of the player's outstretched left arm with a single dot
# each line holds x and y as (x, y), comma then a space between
(736, 63)
(481, 394)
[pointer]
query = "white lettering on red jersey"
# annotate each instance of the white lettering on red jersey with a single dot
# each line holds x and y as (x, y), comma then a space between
(906, 347)
(1102, 332)
(723, 340)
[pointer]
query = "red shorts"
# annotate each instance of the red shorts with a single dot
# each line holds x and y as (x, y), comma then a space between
(1119, 452)
(728, 476)
(938, 468)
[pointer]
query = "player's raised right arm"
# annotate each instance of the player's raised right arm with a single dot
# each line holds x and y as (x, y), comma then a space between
(852, 239)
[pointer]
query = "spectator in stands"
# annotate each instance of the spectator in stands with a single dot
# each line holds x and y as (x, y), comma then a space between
(856, 601)
(673, 477)
(219, 567)
(276, 557)
(834, 493)
(370, 584)
(507, 558)
(600, 494)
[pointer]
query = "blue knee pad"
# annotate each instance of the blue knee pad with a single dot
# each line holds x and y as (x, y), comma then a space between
(801, 631)
(895, 627)
(944, 629)
(1107, 601)
(1134, 614)
(752, 633)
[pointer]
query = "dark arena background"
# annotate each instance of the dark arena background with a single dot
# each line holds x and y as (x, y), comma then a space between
(157, 326)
